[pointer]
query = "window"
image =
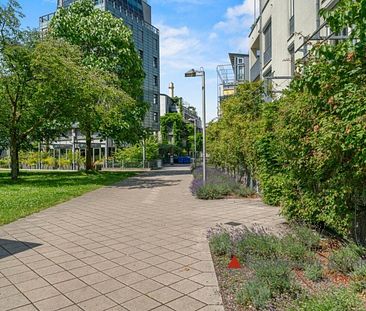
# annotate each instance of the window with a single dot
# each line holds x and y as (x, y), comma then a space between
(155, 101)
(155, 117)
(241, 73)
(141, 54)
(240, 60)
(267, 44)
(141, 32)
(156, 82)
(156, 44)
(155, 62)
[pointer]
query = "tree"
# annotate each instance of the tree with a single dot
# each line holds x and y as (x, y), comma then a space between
(39, 83)
(107, 44)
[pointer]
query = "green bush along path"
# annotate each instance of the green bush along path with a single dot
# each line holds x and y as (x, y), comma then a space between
(36, 191)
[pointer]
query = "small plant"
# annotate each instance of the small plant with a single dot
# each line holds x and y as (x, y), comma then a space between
(308, 237)
(243, 192)
(211, 192)
(340, 299)
(221, 244)
(358, 278)
(294, 251)
(314, 271)
(254, 293)
(258, 246)
(275, 274)
(345, 259)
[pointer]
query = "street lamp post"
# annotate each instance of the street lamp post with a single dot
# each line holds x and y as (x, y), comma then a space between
(201, 73)
(195, 138)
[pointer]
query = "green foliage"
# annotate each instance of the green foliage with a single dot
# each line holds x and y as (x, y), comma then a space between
(254, 293)
(135, 153)
(314, 271)
(254, 246)
(221, 244)
(212, 192)
(306, 149)
(345, 259)
(358, 278)
(275, 274)
(295, 252)
(110, 106)
(340, 299)
(306, 236)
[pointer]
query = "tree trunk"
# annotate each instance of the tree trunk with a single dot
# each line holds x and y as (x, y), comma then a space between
(88, 155)
(14, 156)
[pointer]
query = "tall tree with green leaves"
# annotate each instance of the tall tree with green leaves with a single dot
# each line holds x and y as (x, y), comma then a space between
(107, 44)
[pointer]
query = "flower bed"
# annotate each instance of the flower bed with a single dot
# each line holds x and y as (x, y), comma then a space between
(298, 270)
(218, 186)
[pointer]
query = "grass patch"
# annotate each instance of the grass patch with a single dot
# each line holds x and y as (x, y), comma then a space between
(35, 191)
(345, 259)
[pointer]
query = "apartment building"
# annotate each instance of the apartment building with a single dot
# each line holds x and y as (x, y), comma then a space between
(137, 16)
(283, 32)
(230, 75)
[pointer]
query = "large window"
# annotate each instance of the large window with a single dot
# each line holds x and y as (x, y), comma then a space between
(267, 43)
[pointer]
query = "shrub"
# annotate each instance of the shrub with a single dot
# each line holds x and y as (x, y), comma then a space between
(258, 245)
(345, 259)
(275, 274)
(243, 192)
(254, 293)
(221, 244)
(314, 271)
(340, 299)
(358, 278)
(294, 251)
(308, 237)
(212, 192)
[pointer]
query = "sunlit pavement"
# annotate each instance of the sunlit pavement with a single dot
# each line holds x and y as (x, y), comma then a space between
(139, 245)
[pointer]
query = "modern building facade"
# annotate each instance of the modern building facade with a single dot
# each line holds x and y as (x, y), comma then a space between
(230, 75)
(283, 32)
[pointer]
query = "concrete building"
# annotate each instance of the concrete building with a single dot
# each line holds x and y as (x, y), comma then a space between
(137, 16)
(283, 32)
(230, 75)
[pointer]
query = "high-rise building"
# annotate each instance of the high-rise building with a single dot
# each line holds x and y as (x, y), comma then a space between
(137, 16)
(284, 32)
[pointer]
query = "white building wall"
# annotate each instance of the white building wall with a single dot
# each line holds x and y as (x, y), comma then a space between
(278, 13)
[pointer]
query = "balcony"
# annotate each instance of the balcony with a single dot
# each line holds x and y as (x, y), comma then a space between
(267, 56)
(255, 71)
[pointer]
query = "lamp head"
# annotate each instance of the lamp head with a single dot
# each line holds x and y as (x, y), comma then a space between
(191, 73)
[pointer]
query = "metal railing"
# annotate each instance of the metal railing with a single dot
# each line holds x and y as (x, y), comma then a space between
(255, 71)
(267, 55)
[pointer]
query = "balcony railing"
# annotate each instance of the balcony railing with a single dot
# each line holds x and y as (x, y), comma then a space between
(255, 71)
(267, 56)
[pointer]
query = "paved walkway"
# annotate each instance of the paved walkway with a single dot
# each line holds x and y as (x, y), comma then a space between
(136, 246)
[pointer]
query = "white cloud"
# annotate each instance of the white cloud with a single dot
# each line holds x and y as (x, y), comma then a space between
(237, 18)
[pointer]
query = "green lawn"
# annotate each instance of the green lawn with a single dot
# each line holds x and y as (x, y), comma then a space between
(35, 191)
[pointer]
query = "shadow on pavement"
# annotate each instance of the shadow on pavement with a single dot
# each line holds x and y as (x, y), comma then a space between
(12, 247)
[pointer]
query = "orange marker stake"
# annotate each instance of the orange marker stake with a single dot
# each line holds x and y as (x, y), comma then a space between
(234, 263)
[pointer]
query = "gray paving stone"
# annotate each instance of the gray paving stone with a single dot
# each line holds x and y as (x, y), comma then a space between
(111, 248)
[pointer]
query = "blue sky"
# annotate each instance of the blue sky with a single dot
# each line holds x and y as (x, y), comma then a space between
(194, 33)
